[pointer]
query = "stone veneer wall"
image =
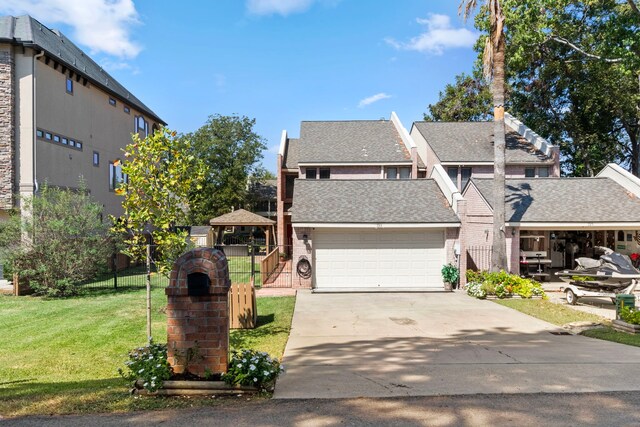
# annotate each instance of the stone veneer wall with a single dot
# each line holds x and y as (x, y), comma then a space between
(7, 133)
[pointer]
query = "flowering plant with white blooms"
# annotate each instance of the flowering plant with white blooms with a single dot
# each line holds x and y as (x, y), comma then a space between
(251, 367)
(148, 364)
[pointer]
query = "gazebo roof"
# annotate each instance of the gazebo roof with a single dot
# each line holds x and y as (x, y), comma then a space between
(241, 217)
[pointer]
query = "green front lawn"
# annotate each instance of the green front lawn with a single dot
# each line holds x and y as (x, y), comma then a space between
(549, 311)
(62, 356)
(561, 314)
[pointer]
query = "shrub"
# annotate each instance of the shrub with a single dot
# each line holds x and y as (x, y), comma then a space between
(475, 289)
(60, 243)
(502, 285)
(450, 273)
(148, 364)
(630, 316)
(250, 367)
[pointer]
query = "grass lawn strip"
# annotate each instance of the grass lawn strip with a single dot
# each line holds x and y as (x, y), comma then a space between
(549, 311)
(559, 315)
(61, 356)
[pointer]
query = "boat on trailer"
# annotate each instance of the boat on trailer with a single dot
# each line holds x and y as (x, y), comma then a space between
(606, 277)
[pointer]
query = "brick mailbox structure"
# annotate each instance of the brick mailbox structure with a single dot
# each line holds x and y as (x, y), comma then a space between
(198, 313)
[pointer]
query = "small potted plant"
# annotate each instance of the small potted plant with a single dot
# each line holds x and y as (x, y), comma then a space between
(450, 276)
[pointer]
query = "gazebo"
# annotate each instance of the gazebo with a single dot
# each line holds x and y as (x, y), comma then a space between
(245, 218)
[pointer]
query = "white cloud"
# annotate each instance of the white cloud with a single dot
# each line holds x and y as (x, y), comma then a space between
(284, 7)
(281, 7)
(438, 37)
(373, 98)
(104, 26)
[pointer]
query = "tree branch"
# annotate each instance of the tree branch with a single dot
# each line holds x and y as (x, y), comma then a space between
(634, 6)
(581, 51)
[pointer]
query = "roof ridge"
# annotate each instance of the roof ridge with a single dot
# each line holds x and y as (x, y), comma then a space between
(346, 121)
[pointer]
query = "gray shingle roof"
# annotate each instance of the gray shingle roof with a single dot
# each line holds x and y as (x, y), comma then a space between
(473, 142)
(241, 217)
(290, 160)
(565, 200)
(359, 141)
(370, 201)
(27, 31)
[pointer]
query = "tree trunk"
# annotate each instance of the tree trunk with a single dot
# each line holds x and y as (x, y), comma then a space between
(499, 247)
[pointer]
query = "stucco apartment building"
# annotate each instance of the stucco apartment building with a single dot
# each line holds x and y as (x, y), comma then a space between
(62, 117)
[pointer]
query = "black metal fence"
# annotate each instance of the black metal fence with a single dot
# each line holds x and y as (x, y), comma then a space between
(245, 266)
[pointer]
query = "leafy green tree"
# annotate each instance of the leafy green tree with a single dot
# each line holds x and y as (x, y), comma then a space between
(467, 100)
(61, 242)
(572, 75)
(230, 151)
(493, 62)
(161, 173)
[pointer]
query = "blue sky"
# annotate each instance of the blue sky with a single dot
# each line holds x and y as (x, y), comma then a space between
(278, 61)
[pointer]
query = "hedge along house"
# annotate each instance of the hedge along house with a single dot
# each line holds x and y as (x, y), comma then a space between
(563, 218)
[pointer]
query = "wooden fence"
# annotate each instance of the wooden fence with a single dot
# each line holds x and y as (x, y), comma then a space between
(243, 312)
(269, 264)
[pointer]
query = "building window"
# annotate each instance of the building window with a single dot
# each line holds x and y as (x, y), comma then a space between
(72, 143)
(392, 173)
(543, 172)
(465, 176)
(65, 141)
(112, 101)
(56, 138)
(47, 135)
(96, 158)
(453, 174)
(69, 86)
(116, 177)
(405, 173)
(311, 173)
(39, 133)
(127, 110)
(325, 173)
(529, 172)
(141, 126)
(289, 181)
(79, 145)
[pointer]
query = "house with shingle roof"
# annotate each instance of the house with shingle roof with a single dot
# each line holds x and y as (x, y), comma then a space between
(369, 206)
(465, 150)
(62, 116)
(355, 202)
(560, 218)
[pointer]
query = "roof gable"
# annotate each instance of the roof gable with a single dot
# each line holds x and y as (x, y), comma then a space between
(370, 201)
(241, 217)
(569, 200)
(358, 141)
(460, 142)
(27, 31)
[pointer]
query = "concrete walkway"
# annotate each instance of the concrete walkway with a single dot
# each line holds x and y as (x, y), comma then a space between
(385, 345)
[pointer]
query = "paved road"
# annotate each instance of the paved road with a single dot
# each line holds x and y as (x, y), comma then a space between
(601, 409)
(386, 345)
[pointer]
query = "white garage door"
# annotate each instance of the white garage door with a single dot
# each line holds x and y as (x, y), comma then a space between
(378, 259)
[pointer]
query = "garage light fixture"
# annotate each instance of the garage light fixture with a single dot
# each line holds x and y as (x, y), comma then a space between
(305, 239)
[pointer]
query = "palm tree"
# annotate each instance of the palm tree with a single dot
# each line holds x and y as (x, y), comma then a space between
(493, 65)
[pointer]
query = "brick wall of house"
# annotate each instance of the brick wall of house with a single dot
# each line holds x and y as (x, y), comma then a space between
(356, 172)
(7, 131)
(300, 249)
(451, 236)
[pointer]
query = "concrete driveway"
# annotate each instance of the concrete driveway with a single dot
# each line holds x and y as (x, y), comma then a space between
(423, 344)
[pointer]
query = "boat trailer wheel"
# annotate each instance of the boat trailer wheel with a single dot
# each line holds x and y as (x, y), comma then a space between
(572, 299)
